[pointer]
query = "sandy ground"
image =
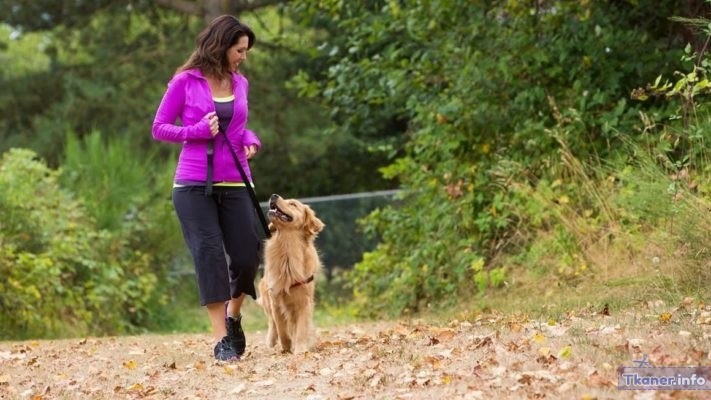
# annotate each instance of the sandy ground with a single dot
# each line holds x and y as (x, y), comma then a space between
(484, 357)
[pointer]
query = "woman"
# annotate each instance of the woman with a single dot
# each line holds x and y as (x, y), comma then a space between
(209, 96)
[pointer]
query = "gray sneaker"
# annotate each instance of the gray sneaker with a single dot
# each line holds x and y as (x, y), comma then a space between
(224, 350)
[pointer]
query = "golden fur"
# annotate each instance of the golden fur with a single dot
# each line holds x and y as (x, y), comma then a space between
(291, 262)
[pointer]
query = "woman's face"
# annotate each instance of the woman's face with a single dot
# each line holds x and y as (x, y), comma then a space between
(237, 53)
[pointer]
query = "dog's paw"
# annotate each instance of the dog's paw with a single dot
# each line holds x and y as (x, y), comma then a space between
(299, 349)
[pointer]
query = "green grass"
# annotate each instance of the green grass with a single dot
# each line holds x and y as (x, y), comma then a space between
(185, 315)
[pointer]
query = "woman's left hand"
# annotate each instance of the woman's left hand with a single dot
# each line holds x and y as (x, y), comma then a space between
(250, 151)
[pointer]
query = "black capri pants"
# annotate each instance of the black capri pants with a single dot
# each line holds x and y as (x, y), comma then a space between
(223, 222)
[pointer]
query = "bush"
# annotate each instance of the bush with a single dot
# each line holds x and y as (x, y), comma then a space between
(489, 92)
(61, 275)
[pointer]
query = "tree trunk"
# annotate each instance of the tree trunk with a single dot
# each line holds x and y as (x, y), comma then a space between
(215, 8)
(209, 9)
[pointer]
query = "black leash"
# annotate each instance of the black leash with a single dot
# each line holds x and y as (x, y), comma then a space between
(210, 155)
(247, 183)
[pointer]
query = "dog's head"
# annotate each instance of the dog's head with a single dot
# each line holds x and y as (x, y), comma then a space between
(291, 214)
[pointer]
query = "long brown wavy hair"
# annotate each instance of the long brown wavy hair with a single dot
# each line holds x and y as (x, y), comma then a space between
(210, 54)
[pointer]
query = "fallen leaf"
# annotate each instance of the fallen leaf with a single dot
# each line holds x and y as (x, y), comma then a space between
(135, 387)
(665, 317)
(623, 346)
(482, 341)
(513, 346)
(239, 389)
(542, 375)
(597, 380)
(435, 362)
(608, 330)
(447, 353)
(566, 352)
(525, 379)
(130, 364)
(230, 369)
(375, 380)
(445, 335)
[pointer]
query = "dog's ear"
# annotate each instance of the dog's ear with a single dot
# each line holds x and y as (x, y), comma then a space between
(313, 224)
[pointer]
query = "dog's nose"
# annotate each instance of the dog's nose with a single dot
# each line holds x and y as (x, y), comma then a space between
(274, 197)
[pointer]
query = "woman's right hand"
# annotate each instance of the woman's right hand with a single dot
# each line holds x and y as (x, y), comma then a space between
(213, 120)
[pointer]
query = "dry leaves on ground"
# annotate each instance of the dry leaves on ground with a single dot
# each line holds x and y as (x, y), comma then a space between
(487, 357)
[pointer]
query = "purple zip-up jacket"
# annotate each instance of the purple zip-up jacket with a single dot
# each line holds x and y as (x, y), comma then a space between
(189, 98)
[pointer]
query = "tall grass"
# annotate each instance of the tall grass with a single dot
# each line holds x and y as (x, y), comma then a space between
(108, 175)
(621, 232)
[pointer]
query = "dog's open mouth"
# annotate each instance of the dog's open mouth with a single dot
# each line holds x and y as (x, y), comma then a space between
(276, 212)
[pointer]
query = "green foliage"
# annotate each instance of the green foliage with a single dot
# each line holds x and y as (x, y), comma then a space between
(467, 95)
(45, 14)
(61, 275)
(649, 203)
(88, 68)
(506, 123)
(302, 153)
(106, 67)
(23, 63)
(109, 178)
(128, 193)
(685, 143)
(106, 74)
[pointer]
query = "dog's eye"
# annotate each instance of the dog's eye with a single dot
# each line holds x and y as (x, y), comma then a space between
(291, 203)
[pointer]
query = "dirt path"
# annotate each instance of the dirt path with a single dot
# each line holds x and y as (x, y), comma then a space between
(487, 357)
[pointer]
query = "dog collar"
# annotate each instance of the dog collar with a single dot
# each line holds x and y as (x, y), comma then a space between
(309, 279)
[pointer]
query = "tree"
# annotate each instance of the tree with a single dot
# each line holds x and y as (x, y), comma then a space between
(24, 15)
(210, 9)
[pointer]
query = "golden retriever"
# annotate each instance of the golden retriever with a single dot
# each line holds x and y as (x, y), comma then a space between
(291, 262)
